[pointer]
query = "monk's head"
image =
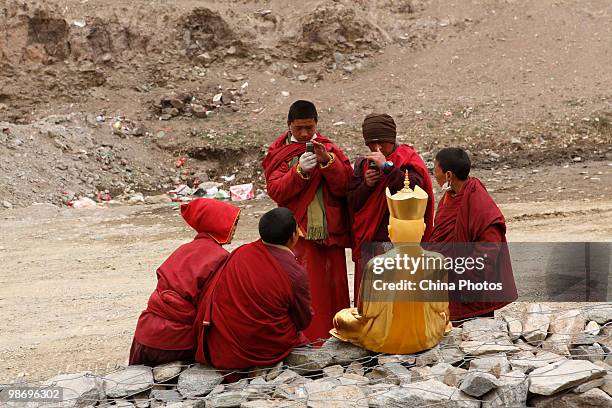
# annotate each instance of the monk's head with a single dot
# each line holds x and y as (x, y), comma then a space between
(452, 167)
(302, 120)
(278, 227)
(379, 133)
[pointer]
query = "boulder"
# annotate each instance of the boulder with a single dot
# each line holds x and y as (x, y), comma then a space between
(479, 348)
(515, 327)
(353, 379)
(198, 381)
(333, 371)
(589, 385)
(79, 390)
(601, 314)
(511, 391)
(227, 399)
(536, 320)
(591, 353)
(339, 397)
(420, 373)
(496, 365)
(485, 330)
(422, 394)
(128, 381)
(448, 374)
(562, 375)
(477, 383)
(344, 352)
(594, 398)
(166, 395)
(165, 372)
(564, 327)
(306, 360)
(390, 373)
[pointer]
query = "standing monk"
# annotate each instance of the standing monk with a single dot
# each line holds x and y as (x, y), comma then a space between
(165, 332)
(383, 167)
(468, 220)
(313, 186)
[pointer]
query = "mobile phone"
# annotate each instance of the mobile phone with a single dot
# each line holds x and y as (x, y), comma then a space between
(373, 166)
(310, 147)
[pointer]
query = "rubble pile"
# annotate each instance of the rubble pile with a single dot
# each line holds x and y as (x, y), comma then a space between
(539, 359)
(188, 105)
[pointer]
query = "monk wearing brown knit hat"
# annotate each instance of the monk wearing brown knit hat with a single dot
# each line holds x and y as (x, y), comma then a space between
(385, 166)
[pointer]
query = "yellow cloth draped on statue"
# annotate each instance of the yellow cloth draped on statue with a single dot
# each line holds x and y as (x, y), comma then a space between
(398, 321)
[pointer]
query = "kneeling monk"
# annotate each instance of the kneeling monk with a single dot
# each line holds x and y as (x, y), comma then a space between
(259, 301)
(164, 332)
(393, 321)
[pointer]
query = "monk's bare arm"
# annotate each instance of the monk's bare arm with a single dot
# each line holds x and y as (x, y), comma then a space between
(285, 183)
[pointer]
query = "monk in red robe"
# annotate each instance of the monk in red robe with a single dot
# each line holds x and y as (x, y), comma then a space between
(257, 305)
(165, 330)
(385, 166)
(467, 218)
(313, 185)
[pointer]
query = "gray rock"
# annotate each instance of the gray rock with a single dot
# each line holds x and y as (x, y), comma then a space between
(320, 385)
(420, 373)
(198, 381)
(601, 314)
(226, 399)
(487, 330)
(128, 381)
(448, 374)
(273, 404)
(166, 395)
(165, 372)
(497, 365)
(356, 368)
(421, 394)
(343, 352)
(188, 404)
(353, 379)
(515, 327)
(563, 375)
(453, 338)
(591, 353)
(339, 397)
(563, 328)
(451, 355)
(306, 360)
(536, 320)
(333, 371)
(596, 383)
(592, 398)
(391, 373)
(429, 357)
(512, 392)
(592, 328)
(79, 390)
(285, 377)
(478, 384)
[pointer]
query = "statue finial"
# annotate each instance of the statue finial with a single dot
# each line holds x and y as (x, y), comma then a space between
(406, 188)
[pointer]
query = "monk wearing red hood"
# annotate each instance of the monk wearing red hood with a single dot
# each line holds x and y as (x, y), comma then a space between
(313, 185)
(258, 303)
(385, 166)
(165, 330)
(468, 221)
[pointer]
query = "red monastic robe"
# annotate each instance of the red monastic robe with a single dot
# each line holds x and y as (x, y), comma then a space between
(252, 314)
(166, 326)
(324, 260)
(472, 216)
(367, 220)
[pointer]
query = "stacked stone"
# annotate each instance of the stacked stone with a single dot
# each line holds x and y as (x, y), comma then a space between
(539, 359)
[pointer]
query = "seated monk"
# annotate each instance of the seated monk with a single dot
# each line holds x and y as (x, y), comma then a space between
(468, 221)
(258, 304)
(391, 321)
(164, 332)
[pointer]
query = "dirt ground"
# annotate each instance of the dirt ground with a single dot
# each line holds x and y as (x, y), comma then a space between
(74, 281)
